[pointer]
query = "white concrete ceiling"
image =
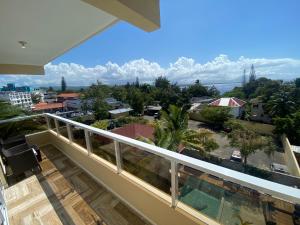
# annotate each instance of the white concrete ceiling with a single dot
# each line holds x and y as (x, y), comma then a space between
(50, 27)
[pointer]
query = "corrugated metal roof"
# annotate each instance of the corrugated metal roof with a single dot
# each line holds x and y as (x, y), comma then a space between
(117, 111)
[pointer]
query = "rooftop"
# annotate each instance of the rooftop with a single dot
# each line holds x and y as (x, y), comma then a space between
(122, 110)
(229, 102)
(45, 106)
(69, 95)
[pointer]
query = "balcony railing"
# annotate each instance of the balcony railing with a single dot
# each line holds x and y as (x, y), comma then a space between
(215, 191)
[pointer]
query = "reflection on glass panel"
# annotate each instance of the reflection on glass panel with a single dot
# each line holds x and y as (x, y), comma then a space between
(151, 168)
(63, 129)
(103, 147)
(52, 124)
(78, 136)
(23, 127)
(227, 202)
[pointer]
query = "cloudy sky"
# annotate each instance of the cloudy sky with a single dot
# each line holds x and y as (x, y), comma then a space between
(209, 40)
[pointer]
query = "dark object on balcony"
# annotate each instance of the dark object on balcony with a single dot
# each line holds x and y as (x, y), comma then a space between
(12, 141)
(21, 158)
(296, 215)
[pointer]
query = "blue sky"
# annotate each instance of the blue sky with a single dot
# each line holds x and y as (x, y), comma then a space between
(210, 40)
(200, 29)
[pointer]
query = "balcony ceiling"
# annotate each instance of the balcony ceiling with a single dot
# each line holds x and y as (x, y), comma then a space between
(50, 28)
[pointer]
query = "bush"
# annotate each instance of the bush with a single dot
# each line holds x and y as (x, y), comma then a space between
(101, 124)
(216, 115)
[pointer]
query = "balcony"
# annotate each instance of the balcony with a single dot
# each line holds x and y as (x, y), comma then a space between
(90, 174)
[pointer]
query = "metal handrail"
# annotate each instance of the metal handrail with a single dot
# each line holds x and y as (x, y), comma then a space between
(284, 192)
(268, 187)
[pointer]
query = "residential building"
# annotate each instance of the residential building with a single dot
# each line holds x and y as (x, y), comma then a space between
(236, 105)
(135, 131)
(197, 103)
(21, 99)
(258, 112)
(67, 96)
(150, 110)
(117, 113)
(44, 107)
(50, 97)
(113, 103)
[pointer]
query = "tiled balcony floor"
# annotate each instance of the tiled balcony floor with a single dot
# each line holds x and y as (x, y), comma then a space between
(64, 194)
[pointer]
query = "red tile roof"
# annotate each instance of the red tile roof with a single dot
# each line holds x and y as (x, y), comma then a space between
(45, 105)
(135, 130)
(69, 95)
(230, 102)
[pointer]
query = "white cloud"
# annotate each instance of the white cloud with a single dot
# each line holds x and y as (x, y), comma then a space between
(184, 71)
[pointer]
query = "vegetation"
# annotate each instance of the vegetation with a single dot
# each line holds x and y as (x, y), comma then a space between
(172, 133)
(216, 115)
(101, 124)
(63, 84)
(248, 141)
(8, 111)
(289, 125)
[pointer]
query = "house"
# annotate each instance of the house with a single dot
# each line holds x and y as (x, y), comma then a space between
(197, 103)
(117, 113)
(135, 131)
(150, 110)
(67, 96)
(50, 96)
(258, 112)
(113, 103)
(48, 107)
(236, 105)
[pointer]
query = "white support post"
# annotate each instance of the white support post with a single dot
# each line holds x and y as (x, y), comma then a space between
(88, 141)
(48, 122)
(70, 134)
(118, 156)
(56, 126)
(174, 182)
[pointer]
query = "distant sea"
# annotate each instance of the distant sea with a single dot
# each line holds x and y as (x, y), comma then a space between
(221, 87)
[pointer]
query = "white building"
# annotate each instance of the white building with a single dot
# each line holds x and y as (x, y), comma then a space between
(236, 105)
(21, 99)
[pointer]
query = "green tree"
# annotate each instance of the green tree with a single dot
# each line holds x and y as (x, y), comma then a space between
(198, 90)
(172, 133)
(297, 82)
(289, 125)
(281, 104)
(249, 142)
(136, 100)
(162, 82)
(215, 115)
(101, 109)
(101, 124)
(63, 84)
(8, 111)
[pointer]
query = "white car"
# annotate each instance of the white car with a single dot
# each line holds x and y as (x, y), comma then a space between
(236, 156)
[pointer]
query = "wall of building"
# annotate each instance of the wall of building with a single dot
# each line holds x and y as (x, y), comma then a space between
(289, 156)
(142, 197)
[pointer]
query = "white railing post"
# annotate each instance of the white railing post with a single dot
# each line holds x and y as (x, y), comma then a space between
(56, 126)
(70, 134)
(88, 141)
(48, 122)
(118, 156)
(174, 182)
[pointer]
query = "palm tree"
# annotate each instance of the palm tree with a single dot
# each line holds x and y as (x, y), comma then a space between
(281, 104)
(172, 133)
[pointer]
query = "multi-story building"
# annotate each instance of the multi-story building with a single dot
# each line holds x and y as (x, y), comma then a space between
(21, 99)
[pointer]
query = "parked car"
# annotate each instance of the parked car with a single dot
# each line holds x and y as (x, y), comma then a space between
(236, 156)
(279, 168)
(156, 116)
